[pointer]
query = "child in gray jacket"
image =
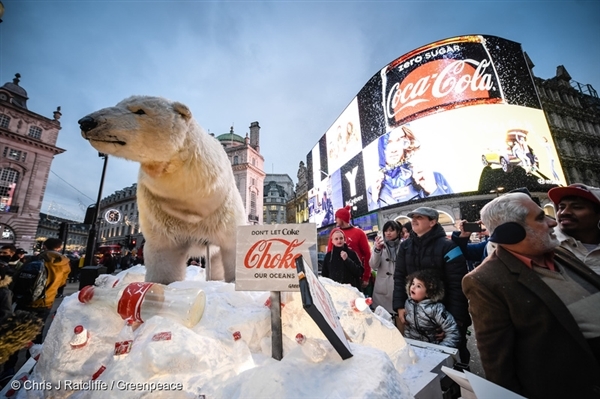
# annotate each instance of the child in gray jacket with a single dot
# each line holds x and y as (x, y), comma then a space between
(426, 315)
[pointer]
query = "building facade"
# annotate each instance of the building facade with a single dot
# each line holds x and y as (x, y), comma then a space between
(48, 227)
(27, 148)
(278, 190)
(248, 169)
(119, 219)
(297, 206)
(573, 113)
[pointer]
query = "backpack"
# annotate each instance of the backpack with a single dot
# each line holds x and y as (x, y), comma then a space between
(29, 283)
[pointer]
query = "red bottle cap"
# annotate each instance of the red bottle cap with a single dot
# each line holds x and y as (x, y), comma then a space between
(237, 335)
(86, 294)
(300, 338)
(78, 329)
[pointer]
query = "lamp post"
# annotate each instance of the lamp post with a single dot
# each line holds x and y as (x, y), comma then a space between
(91, 242)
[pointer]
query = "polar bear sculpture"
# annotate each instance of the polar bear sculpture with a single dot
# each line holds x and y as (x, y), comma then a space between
(186, 191)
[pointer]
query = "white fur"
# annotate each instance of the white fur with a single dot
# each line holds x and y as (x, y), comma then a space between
(186, 191)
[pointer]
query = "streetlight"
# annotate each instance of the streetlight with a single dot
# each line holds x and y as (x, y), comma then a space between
(91, 242)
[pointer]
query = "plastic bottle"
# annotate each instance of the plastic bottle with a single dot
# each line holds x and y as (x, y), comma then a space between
(80, 337)
(311, 348)
(140, 301)
(241, 354)
(361, 304)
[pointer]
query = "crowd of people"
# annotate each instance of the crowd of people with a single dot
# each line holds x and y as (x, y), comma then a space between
(530, 286)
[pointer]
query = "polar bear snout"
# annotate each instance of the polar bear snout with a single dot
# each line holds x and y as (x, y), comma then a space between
(87, 123)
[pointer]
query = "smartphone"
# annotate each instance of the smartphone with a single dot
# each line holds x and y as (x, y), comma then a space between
(472, 227)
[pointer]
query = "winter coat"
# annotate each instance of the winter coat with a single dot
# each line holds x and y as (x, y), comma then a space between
(5, 298)
(347, 271)
(433, 250)
(384, 262)
(528, 340)
(58, 271)
(425, 319)
(357, 240)
(16, 329)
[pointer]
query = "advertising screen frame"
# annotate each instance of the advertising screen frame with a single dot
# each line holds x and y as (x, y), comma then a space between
(454, 116)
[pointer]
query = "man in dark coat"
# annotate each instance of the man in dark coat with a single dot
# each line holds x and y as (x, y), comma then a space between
(534, 307)
(428, 248)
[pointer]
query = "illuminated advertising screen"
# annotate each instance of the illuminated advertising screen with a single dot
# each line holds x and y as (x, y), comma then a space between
(439, 120)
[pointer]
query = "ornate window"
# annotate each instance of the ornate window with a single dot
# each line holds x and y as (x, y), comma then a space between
(236, 160)
(4, 121)
(13, 154)
(252, 203)
(7, 233)
(35, 132)
(8, 182)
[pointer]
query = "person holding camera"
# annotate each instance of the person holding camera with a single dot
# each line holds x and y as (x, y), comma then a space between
(383, 260)
(474, 252)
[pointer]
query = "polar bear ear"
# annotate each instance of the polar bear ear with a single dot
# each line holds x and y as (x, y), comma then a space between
(183, 110)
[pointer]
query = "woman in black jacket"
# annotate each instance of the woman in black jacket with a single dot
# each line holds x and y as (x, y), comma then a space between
(341, 264)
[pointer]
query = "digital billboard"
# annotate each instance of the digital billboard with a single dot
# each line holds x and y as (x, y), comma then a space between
(435, 121)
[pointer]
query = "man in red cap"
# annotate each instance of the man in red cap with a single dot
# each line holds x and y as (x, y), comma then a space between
(356, 240)
(578, 217)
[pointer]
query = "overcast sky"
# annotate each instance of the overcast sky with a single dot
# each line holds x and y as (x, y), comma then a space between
(293, 66)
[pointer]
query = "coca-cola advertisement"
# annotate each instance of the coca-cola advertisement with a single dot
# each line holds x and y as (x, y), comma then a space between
(440, 120)
(266, 256)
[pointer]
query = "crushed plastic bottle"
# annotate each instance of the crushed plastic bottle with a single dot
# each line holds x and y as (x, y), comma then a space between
(141, 300)
(241, 354)
(311, 348)
(80, 337)
(361, 304)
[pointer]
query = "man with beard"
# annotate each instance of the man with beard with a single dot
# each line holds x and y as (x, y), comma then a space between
(534, 307)
(578, 217)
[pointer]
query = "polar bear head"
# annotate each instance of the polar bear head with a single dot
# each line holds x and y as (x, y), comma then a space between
(140, 128)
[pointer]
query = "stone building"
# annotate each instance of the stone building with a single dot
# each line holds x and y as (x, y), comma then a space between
(573, 113)
(48, 227)
(119, 220)
(248, 169)
(297, 206)
(27, 148)
(278, 190)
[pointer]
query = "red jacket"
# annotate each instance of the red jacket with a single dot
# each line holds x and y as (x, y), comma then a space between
(358, 242)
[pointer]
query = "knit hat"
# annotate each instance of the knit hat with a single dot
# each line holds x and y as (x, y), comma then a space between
(343, 213)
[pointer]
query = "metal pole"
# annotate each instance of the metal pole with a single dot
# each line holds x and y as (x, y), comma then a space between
(91, 242)
(276, 330)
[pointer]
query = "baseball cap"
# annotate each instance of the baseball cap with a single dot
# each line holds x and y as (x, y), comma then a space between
(577, 190)
(425, 211)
